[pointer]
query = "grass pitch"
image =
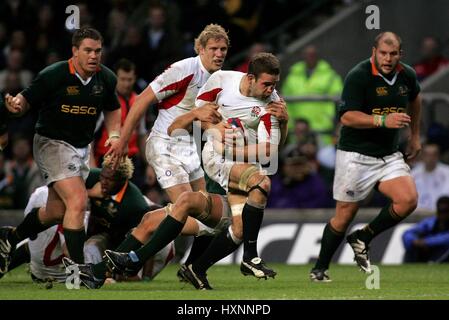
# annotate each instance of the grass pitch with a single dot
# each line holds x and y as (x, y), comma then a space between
(403, 282)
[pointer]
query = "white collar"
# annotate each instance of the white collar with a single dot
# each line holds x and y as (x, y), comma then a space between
(84, 82)
(392, 81)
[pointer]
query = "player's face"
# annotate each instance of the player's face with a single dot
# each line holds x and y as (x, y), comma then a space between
(263, 86)
(110, 184)
(214, 54)
(125, 82)
(88, 55)
(386, 57)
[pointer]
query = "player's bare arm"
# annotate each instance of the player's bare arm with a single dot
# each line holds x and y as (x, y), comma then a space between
(247, 152)
(361, 120)
(112, 120)
(279, 110)
(414, 145)
(207, 114)
(17, 105)
(119, 148)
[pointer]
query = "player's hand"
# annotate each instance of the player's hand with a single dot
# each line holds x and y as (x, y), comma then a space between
(117, 151)
(13, 104)
(397, 120)
(208, 113)
(279, 110)
(219, 131)
(108, 142)
(413, 148)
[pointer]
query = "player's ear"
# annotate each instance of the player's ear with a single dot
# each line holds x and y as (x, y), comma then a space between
(74, 51)
(251, 77)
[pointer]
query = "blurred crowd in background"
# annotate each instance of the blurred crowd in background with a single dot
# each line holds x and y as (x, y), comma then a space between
(143, 37)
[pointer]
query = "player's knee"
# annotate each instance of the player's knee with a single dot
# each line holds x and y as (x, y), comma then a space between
(259, 184)
(188, 201)
(146, 225)
(406, 204)
(77, 202)
(340, 224)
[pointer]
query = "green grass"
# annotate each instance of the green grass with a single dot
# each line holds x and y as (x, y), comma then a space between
(396, 282)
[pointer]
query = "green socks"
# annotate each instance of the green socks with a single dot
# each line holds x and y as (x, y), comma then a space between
(29, 228)
(386, 219)
(130, 243)
(74, 240)
(167, 231)
(329, 244)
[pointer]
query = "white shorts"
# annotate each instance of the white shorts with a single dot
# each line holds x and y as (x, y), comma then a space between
(174, 161)
(58, 160)
(216, 166)
(356, 174)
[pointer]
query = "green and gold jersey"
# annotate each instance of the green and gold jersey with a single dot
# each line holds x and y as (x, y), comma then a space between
(68, 109)
(115, 215)
(213, 187)
(366, 90)
(4, 117)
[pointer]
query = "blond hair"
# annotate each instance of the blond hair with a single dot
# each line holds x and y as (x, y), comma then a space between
(125, 168)
(211, 31)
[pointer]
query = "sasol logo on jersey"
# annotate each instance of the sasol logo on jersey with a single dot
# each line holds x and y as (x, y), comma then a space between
(388, 110)
(255, 112)
(79, 109)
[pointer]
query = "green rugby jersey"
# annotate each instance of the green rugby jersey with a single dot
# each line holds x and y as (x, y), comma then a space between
(68, 110)
(118, 214)
(213, 187)
(4, 116)
(365, 90)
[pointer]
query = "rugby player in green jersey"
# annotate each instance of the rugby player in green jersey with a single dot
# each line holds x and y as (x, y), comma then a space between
(116, 207)
(70, 95)
(380, 97)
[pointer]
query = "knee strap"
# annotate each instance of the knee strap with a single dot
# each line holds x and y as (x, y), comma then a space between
(168, 209)
(264, 192)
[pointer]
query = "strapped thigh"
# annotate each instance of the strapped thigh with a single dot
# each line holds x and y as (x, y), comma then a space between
(168, 208)
(244, 177)
(207, 211)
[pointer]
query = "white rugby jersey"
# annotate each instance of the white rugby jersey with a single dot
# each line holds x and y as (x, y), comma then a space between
(46, 250)
(223, 88)
(176, 89)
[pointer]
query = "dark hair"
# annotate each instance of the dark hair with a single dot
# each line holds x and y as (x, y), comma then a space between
(264, 63)
(125, 65)
(388, 41)
(85, 33)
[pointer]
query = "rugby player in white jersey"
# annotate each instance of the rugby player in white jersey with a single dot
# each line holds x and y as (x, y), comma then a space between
(175, 160)
(243, 100)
